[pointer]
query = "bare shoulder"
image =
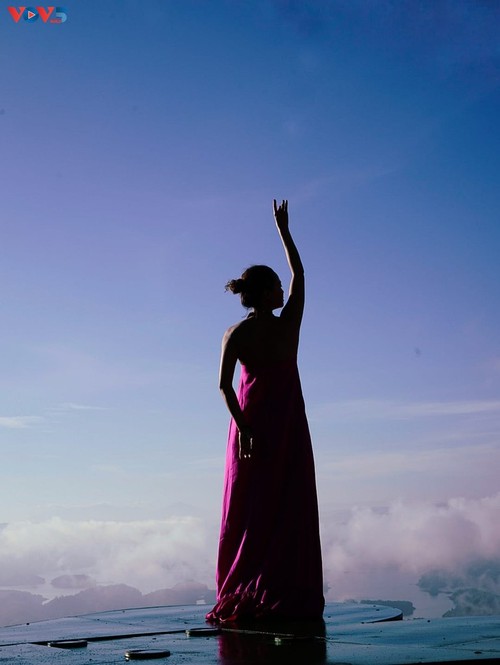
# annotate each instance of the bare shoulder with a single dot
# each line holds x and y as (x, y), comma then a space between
(234, 333)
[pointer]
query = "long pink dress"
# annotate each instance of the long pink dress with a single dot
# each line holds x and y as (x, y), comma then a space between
(269, 562)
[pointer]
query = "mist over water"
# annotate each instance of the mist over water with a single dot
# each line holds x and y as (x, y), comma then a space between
(389, 584)
(422, 553)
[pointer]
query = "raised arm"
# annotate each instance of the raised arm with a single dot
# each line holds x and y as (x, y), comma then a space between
(226, 374)
(295, 303)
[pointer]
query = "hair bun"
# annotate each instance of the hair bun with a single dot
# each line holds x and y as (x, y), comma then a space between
(235, 285)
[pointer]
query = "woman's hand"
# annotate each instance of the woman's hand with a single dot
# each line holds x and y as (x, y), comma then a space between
(281, 215)
(245, 440)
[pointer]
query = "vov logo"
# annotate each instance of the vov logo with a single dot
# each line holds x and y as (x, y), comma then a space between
(32, 14)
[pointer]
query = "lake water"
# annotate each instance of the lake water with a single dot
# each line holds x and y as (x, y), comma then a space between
(389, 584)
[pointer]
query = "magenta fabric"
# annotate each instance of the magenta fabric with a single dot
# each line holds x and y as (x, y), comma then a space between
(269, 561)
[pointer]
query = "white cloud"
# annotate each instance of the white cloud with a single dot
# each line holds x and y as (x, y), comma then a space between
(368, 409)
(18, 422)
(151, 554)
(72, 406)
(413, 537)
(148, 554)
(363, 548)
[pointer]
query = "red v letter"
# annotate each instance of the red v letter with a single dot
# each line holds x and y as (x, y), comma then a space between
(45, 13)
(16, 15)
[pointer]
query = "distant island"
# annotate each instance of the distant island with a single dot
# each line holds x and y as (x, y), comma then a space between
(405, 606)
(474, 602)
(24, 607)
(474, 590)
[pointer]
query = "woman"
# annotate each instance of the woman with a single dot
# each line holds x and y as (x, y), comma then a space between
(269, 562)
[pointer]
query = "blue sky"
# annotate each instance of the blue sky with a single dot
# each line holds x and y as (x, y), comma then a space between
(142, 145)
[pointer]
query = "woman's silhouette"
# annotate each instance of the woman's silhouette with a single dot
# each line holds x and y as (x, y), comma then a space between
(269, 561)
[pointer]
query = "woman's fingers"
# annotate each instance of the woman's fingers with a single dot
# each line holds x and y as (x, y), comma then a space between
(280, 211)
(245, 446)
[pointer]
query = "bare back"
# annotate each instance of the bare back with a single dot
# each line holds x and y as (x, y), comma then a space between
(264, 340)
